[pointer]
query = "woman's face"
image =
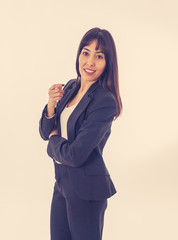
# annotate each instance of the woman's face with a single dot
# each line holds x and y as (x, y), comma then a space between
(91, 62)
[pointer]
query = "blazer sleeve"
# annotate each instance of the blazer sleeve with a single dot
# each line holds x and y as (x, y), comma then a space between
(46, 125)
(93, 129)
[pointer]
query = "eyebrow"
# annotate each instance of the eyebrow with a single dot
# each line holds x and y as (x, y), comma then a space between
(89, 50)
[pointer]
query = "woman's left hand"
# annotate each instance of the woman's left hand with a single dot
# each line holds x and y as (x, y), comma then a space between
(54, 132)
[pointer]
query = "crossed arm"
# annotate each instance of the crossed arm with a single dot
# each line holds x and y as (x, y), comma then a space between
(91, 132)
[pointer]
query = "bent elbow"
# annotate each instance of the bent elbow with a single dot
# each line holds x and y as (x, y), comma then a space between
(43, 136)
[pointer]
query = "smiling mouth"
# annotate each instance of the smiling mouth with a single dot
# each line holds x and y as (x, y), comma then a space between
(89, 71)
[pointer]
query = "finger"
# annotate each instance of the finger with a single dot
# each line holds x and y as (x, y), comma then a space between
(60, 85)
(52, 87)
(56, 95)
(57, 90)
(62, 91)
(56, 86)
(55, 99)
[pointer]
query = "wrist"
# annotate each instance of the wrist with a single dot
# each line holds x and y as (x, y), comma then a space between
(46, 116)
(50, 111)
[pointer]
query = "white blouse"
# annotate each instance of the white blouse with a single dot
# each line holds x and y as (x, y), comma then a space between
(64, 116)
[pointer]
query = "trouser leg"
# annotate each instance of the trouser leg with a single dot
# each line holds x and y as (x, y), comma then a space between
(85, 218)
(73, 218)
(59, 227)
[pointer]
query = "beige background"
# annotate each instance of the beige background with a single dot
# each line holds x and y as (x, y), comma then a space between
(38, 45)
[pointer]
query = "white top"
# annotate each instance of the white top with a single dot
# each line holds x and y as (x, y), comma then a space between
(64, 116)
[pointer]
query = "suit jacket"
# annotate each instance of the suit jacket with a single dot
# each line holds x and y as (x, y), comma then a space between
(88, 129)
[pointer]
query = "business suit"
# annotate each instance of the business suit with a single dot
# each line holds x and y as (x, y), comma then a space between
(88, 128)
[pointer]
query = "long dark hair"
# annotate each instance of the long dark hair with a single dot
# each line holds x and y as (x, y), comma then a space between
(109, 79)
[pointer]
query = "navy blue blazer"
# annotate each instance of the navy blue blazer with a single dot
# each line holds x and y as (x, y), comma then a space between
(88, 129)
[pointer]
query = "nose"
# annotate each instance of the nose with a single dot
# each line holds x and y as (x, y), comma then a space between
(90, 61)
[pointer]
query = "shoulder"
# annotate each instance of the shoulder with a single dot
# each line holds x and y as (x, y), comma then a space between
(103, 102)
(103, 97)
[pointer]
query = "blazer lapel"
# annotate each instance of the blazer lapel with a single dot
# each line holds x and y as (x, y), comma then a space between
(70, 93)
(79, 109)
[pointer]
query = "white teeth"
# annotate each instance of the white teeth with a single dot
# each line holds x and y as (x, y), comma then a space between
(90, 71)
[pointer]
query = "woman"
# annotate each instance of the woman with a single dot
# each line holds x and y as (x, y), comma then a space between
(77, 122)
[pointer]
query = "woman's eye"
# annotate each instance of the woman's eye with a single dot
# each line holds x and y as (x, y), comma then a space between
(99, 56)
(85, 53)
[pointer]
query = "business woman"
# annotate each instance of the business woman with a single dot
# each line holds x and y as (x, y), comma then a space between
(77, 123)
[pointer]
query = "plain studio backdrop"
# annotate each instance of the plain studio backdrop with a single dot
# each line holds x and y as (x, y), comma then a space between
(38, 47)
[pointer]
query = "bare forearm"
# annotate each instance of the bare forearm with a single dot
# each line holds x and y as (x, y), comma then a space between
(50, 111)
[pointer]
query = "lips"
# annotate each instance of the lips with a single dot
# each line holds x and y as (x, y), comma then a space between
(89, 71)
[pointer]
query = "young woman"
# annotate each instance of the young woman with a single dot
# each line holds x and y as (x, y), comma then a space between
(77, 123)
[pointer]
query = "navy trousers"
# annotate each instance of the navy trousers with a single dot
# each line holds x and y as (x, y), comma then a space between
(73, 218)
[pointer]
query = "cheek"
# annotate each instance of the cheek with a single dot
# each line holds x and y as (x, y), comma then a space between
(102, 67)
(80, 64)
(80, 60)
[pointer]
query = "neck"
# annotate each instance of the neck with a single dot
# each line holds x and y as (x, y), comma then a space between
(85, 86)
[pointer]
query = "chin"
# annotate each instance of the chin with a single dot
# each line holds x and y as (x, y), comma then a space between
(89, 79)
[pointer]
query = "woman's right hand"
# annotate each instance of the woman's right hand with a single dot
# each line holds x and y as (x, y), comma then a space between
(55, 94)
